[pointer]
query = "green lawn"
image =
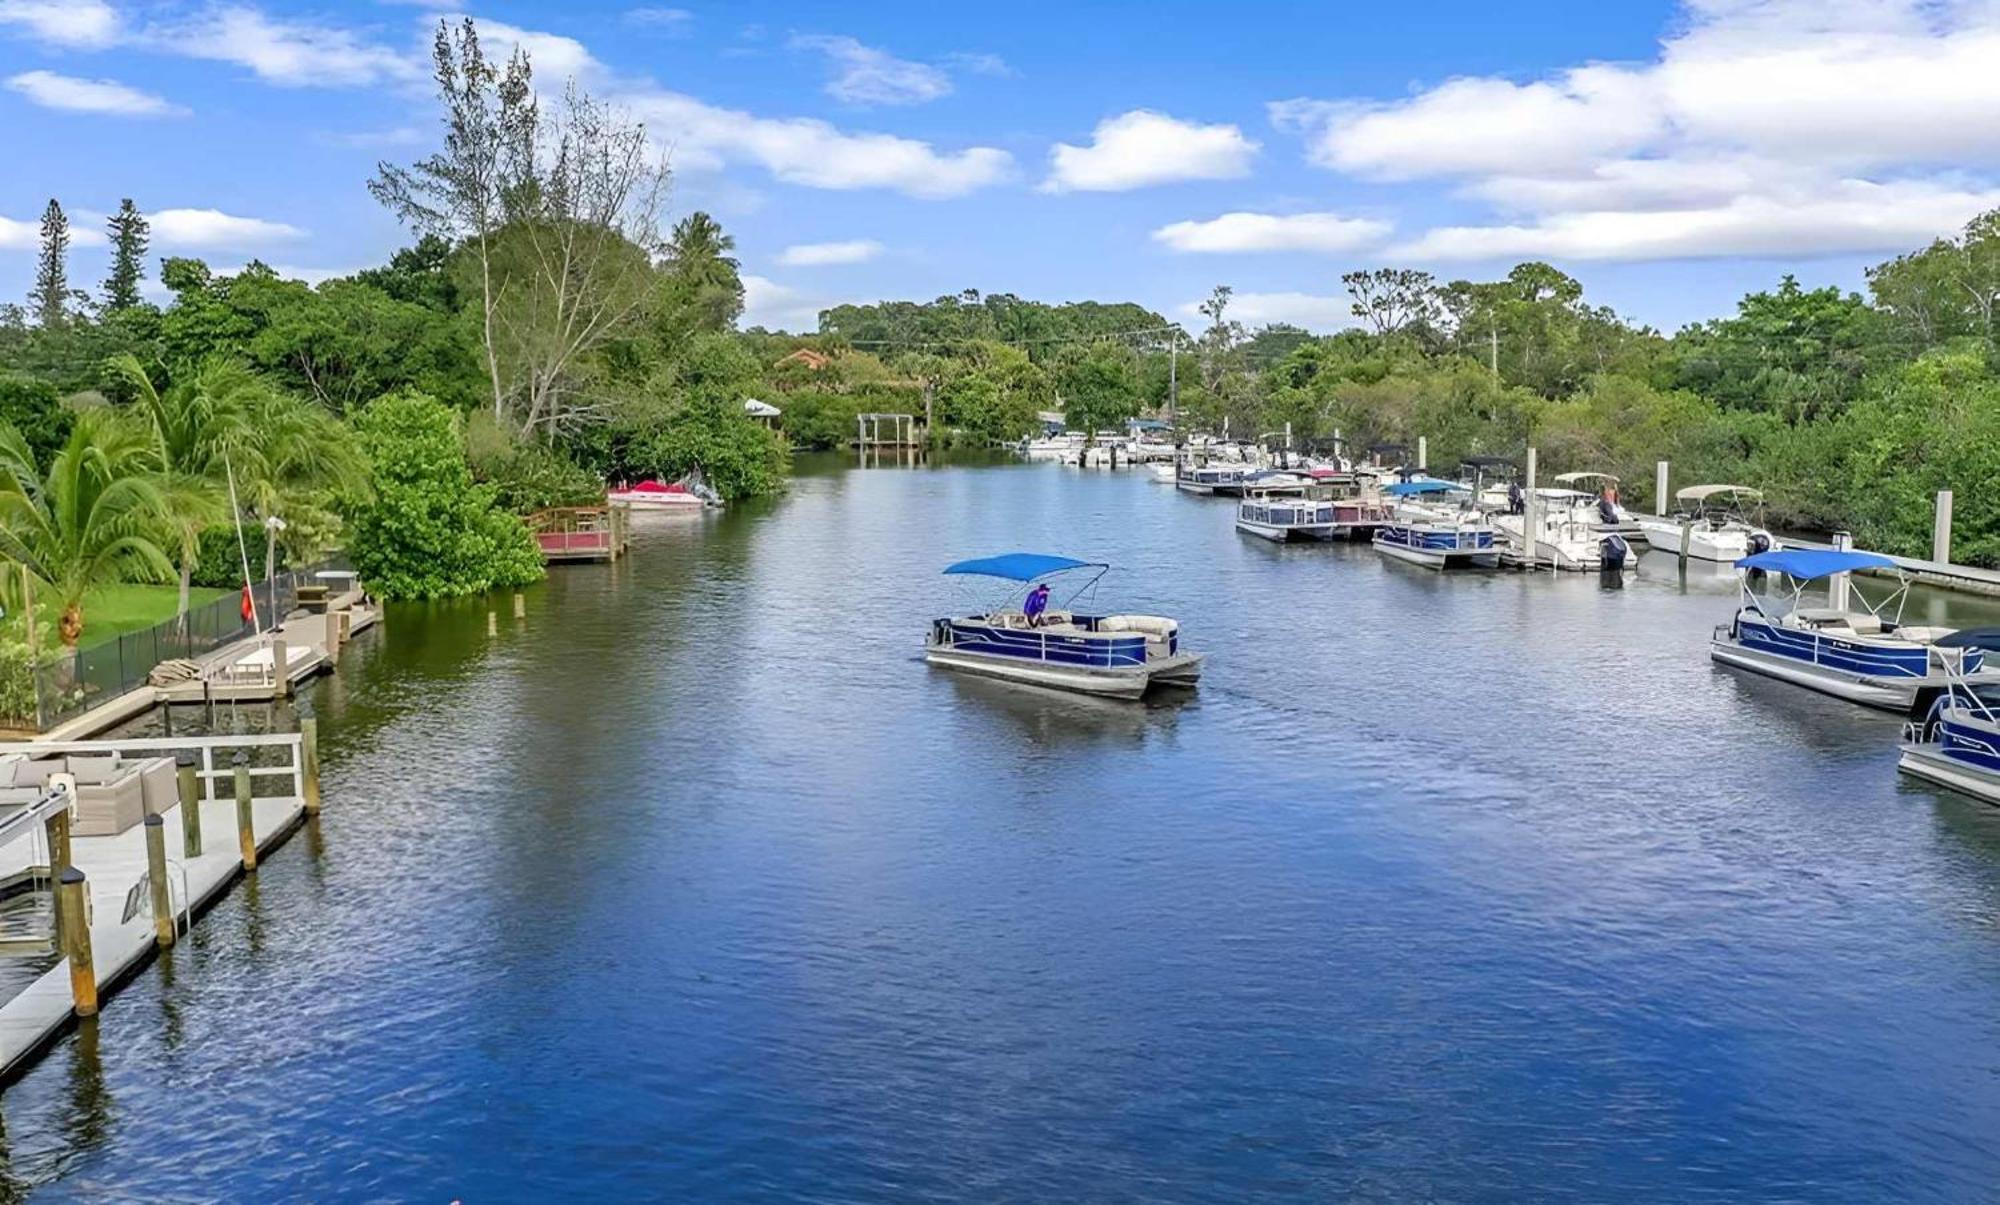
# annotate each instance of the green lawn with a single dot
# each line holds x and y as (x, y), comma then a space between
(111, 611)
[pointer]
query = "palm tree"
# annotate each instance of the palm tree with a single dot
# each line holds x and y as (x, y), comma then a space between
(298, 454)
(90, 521)
(196, 428)
(699, 248)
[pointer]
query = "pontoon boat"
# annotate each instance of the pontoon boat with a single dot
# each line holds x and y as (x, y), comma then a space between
(1285, 506)
(1865, 656)
(1953, 736)
(1435, 536)
(1113, 655)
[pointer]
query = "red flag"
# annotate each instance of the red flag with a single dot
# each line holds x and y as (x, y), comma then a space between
(249, 608)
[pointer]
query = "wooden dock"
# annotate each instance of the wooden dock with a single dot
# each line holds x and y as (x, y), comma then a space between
(581, 533)
(120, 897)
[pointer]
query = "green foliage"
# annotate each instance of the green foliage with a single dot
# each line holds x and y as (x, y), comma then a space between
(34, 408)
(690, 418)
(219, 559)
(525, 476)
(1099, 389)
(429, 531)
(129, 239)
(17, 681)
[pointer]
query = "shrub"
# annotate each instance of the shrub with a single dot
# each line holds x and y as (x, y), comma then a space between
(430, 531)
(219, 560)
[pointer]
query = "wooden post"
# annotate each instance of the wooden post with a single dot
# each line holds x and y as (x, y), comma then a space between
(1687, 537)
(309, 762)
(73, 932)
(1660, 489)
(520, 606)
(1423, 452)
(281, 669)
(164, 928)
(190, 791)
(332, 636)
(246, 833)
(1941, 531)
(1528, 532)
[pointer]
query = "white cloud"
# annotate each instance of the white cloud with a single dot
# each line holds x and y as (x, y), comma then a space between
(1323, 233)
(87, 24)
(1763, 127)
(210, 229)
(286, 53)
(1482, 125)
(813, 255)
(980, 63)
(865, 75)
(553, 56)
(20, 235)
(1845, 216)
(52, 91)
(675, 19)
(1142, 147)
(810, 152)
(768, 304)
(1309, 310)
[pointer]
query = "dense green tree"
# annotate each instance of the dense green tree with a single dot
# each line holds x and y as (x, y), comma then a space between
(130, 236)
(1099, 390)
(34, 408)
(428, 530)
(701, 289)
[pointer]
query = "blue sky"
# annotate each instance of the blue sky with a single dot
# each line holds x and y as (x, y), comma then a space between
(1671, 155)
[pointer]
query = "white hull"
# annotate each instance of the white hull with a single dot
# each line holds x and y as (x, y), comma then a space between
(1281, 533)
(656, 504)
(1431, 558)
(1123, 683)
(1925, 761)
(1723, 547)
(1889, 694)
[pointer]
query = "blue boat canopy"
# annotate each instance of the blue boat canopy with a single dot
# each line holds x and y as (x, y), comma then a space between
(1021, 566)
(1806, 564)
(1426, 486)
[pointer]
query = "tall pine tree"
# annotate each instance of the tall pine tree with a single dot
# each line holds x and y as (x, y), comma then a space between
(51, 296)
(130, 236)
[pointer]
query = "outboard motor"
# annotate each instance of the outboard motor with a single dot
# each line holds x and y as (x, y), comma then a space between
(1614, 550)
(1759, 542)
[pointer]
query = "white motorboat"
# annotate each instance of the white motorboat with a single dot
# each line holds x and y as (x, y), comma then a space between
(687, 494)
(1119, 656)
(1865, 656)
(1433, 535)
(1568, 534)
(1612, 517)
(1712, 517)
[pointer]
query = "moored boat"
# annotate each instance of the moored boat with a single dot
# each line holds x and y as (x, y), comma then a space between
(1283, 506)
(1865, 656)
(1119, 656)
(653, 494)
(1953, 735)
(1435, 536)
(1712, 518)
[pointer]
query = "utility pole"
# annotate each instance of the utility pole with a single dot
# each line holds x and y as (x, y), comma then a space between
(1493, 351)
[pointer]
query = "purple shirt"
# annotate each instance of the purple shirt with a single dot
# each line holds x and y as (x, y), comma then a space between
(1036, 602)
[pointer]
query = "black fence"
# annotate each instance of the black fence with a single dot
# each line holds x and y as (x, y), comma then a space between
(76, 681)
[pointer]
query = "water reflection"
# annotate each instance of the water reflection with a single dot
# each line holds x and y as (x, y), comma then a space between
(1061, 719)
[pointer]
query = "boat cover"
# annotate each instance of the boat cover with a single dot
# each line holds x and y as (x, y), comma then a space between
(1806, 564)
(1428, 486)
(1971, 638)
(1021, 566)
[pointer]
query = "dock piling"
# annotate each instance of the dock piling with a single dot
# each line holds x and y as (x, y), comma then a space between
(281, 669)
(1836, 586)
(1687, 537)
(1941, 529)
(1660, 489)
(73, 931)
(190, 792)
(309, 763)
(492, 624)
(164, 928)
(1423, 452)
(520, 606)
(1528, 530)
(246, 833)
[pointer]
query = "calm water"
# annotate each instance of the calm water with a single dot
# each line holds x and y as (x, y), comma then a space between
(698, 884)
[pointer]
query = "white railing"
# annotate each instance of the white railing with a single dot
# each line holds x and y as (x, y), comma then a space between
(205, 748)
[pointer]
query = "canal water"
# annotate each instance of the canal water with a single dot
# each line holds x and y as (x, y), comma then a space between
(698, 884)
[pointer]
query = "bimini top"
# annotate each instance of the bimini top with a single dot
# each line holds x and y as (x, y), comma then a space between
(1022, 566)
(1429, 485)
(1702, 493)
(1567, 478)
(1806, 564)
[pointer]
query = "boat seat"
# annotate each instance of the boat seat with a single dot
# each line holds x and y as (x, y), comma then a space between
(1866, 625)
(1924, 635)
